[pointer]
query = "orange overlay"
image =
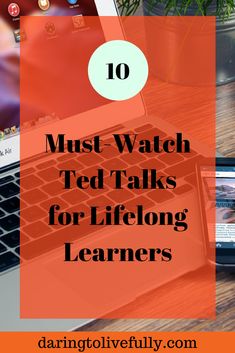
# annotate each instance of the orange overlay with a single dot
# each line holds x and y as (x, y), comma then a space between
(111, 209)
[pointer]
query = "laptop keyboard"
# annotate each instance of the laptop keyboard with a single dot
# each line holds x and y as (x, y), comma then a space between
(35, 232)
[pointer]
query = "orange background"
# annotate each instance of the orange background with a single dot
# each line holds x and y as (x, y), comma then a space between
(64, 290)
(210, 342)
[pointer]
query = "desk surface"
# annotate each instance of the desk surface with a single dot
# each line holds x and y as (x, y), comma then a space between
(225, 321)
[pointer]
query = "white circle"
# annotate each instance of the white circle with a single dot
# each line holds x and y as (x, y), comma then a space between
(118, 70)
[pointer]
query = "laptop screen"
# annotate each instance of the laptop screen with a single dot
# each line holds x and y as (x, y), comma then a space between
(225, 203)
(11, 36)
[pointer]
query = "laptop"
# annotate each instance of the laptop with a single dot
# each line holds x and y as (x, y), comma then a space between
(10, 38)
(134, 120)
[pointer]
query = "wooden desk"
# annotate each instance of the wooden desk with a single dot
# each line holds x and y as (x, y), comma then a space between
(225, 321)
